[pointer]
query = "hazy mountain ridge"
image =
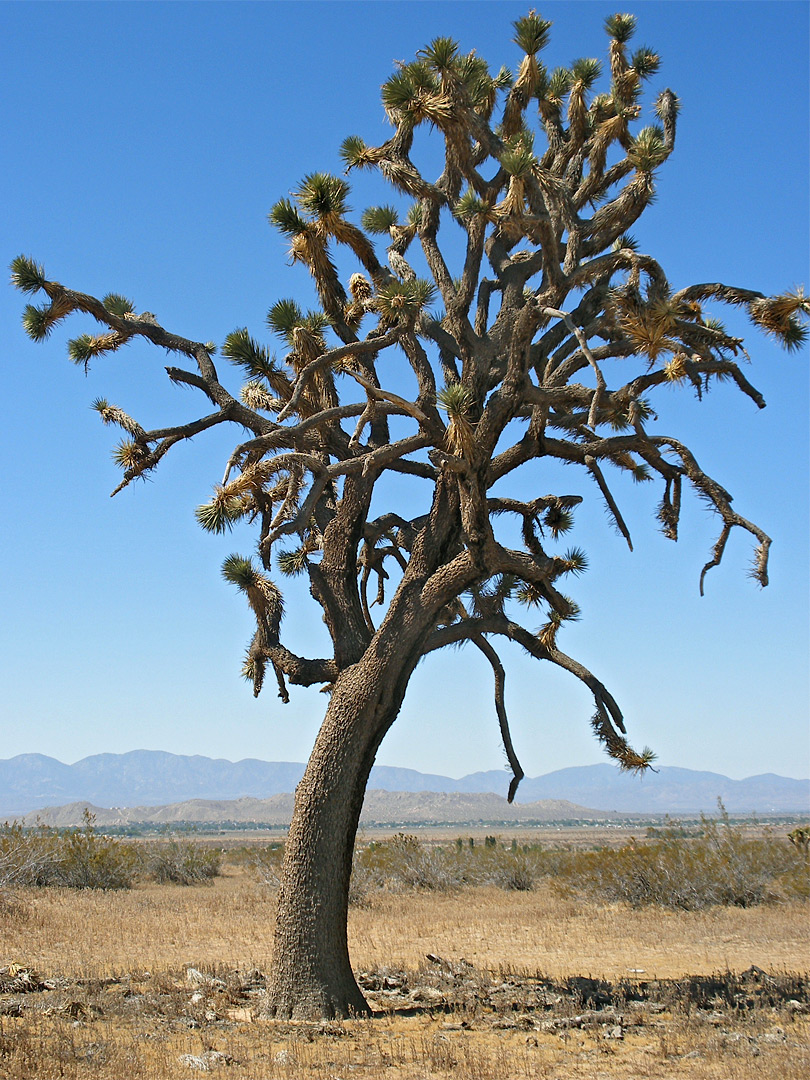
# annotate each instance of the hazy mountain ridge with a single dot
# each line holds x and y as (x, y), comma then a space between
(379, 808)
(150, 778)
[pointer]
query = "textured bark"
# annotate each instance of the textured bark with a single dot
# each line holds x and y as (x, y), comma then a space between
(311, 973)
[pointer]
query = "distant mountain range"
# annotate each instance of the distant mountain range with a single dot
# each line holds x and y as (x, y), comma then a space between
(390, 808)
(150, 778)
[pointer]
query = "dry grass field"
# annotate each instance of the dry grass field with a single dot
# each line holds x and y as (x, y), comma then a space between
(160, 982)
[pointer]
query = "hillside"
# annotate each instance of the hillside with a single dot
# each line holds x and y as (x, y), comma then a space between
(380, 808)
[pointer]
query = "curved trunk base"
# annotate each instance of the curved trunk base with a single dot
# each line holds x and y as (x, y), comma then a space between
(311, 975)
(292, 999)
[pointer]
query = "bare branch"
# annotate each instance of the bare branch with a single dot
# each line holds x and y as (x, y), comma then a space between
(500, 708)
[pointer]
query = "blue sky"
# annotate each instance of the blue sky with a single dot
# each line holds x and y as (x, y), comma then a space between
(144, 145)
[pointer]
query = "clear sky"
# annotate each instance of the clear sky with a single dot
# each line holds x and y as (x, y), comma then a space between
(143, 146)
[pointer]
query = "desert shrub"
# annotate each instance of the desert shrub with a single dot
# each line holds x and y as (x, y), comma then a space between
(719, 866)
(23, 856)
(404, 862)
(515, 870)
(83, 858)
(265, 863)
(182, 862)
(79, 858)
(677, 867)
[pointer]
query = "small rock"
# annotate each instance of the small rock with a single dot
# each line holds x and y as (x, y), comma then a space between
(616, 1032)
(211, 1059)
(775, 1035)
(193, 1061)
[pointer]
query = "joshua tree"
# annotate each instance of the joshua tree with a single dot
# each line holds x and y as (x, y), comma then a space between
(500, 355)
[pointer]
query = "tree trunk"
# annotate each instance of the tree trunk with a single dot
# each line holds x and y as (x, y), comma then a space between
(311, 974)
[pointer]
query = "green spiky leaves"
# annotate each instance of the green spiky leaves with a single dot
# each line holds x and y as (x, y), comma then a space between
(517, 157)
(794, 336)
(85, 347)
(287, 219)
(81, 349)
(355, 154)
(239, 571)
(559, 83)
(469, 206)
(585, 72)
(625, 242)
(38, 322)
(118, 305)
(293, 562)
(781, 317)
(222, 512)
(323, 195)
(399, 298)
(285, 317)
(440, 54)
(649, 149)
(457, 401)
(620, 27)
(241, 349)
(263, 595)
(413, 94)
(558, 520)
(379, 219)
(576, 561)
(26, 275)
(645, 62)
(531, 33)
(130, 456)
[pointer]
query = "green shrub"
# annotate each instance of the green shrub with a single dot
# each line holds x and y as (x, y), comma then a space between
(182, 862)
(76, 858)
(719, 866)
(404, 862)
(714, 863)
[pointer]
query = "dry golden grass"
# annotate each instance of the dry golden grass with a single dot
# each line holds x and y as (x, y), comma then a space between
(141, 1027)
(542, 931)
